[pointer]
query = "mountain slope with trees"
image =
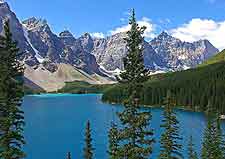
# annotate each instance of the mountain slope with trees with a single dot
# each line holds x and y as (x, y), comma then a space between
(220, 57)
(192, 88)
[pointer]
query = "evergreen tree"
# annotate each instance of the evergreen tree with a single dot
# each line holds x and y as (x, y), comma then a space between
(207, 152)
(170, 147)
(134, 70)
(88, 149)
(113, 142)
(68, 155)
(212, 147)
(135, 138)
(191, 151)
(11, 93)
(218, 139)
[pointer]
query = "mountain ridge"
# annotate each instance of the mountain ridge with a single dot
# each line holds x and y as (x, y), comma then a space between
(43, 50)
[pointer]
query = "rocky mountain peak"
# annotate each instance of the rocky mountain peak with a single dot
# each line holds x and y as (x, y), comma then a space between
(87, 42)
(121, 35)
(66, 34)
(180, 55)
(164, 36)
(34, 23)
(4, 4)
(87, 36)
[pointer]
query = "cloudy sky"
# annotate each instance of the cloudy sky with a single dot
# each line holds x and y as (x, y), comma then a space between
(189, 20)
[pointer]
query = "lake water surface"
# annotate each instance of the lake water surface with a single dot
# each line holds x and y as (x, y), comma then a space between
(55, 124)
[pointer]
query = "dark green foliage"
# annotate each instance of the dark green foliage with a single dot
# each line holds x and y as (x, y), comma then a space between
(116, 94)
(213, 146)
(134, 69)
(27, 90)
(135, 137)
(88, 149)
(191, 150)
(11, 93)
(192, 88)
(83, 87)
(170, 147)
(113, 142)
(68, 155)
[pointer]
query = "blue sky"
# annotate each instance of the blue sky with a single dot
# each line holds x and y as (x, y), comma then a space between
(181, 18)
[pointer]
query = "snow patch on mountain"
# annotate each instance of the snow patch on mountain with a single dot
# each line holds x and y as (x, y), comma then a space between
(37, 55)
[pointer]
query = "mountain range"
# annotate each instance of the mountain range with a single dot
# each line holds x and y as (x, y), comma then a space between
(51, 59)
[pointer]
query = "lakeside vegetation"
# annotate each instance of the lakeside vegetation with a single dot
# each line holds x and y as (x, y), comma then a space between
(192, 88)
(80, 87)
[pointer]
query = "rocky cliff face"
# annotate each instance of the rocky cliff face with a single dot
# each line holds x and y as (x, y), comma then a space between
(18, 33)
(179, 55)
(110, 52)
(44, 42)
(60, 49)
(77, 52)
(164, 53)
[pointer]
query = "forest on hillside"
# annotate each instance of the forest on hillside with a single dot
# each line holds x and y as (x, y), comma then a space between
(193, 89)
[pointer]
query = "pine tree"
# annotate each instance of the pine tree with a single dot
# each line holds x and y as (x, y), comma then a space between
(134, 69)
(113, 142)
(135, 138)
(207, 152)
(11, 93)
(88, 149)
(68, 155)
(212, 147)
(170, 147)
(191, 152)
(218, 138)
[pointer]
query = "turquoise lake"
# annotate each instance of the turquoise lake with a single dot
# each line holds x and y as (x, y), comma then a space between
(55, 124)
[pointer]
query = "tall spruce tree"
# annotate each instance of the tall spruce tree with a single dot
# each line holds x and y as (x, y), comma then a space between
(218, 139)
(192, 154)
(212, 147)
(88, 149)
(134, 69)
(11, 94)
(170, 147)
(207, 152)
(113, 142)
(135, 137)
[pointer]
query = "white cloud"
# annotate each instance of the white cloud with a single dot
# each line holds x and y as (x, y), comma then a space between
(97, 35)
(197, 29)
(149, 32)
